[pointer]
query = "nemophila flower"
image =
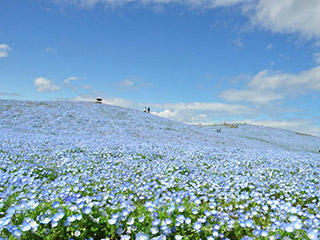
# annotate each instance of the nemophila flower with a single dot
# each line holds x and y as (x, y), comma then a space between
(215, 233)
(112, 221)
(180, 219)
(130, 221)
(207, 213)
(81, 205)
(178, 237)
(15, 232)
(167, 221)
(67, 223)
(124, 237)
(77, 233)
(125, 213)
(164, 228)
(256, 233)
(33, 203)
(34, 225)
(265, 208)
(297, 224)
(25, 227)
(86, 210)
(313, 234)
(45, 219)
(181, 208)
(57, 216)
(115, 215)
(247, 238)
(119, 231)
(71, 218)
(54, 224)
(161, 237)
(154, 230)
(142, 236)
(155, 215)
(194, 211)
(141, 219)
(216, 227)
(73, 207)
(5, 221)
(171, 209)
(187, 221)
(249, 223)
(264, 233)
(288, 227)
(56, 204)
(156, 222)
(197, 226)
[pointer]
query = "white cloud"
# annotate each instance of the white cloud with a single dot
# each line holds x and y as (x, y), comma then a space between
(238, 42)
(86, 86)
(133, 83)
(287, 16)
(45, 85)
(166, 114)
(269, 46)
(282, 16)
(200, 111)
(67, 80)
(51, 50)
(268, 86)
(207, 106)
(316, 57)
(257, 97)
(4, 50)
(190, 3)
(126, 83)
(305, 80)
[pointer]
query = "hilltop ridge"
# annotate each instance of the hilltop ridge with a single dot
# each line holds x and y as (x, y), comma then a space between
(124, 127)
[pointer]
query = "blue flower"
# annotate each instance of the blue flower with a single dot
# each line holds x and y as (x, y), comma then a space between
(56, 204)
(197, 226)
(142, 236)
(86, 210)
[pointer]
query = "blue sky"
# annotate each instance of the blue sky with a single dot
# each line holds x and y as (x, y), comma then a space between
(205, 61)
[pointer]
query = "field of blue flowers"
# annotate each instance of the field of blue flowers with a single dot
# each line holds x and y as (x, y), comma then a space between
(76, 170)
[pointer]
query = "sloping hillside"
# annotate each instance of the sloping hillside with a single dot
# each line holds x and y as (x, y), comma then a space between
(76, 170)
(116, 126)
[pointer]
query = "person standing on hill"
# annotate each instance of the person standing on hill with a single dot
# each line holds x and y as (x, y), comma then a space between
(148, 109)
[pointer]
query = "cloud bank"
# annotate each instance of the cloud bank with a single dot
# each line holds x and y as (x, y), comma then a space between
(281, 16)
(268, 86)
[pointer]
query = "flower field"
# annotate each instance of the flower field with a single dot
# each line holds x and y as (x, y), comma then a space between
(92, 171)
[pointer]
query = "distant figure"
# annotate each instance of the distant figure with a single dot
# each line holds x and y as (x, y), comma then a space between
(148, 109)
(219, 130)
(99, 100)
(145, 109)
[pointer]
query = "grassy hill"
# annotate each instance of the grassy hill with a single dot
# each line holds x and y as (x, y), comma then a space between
(78, 170)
